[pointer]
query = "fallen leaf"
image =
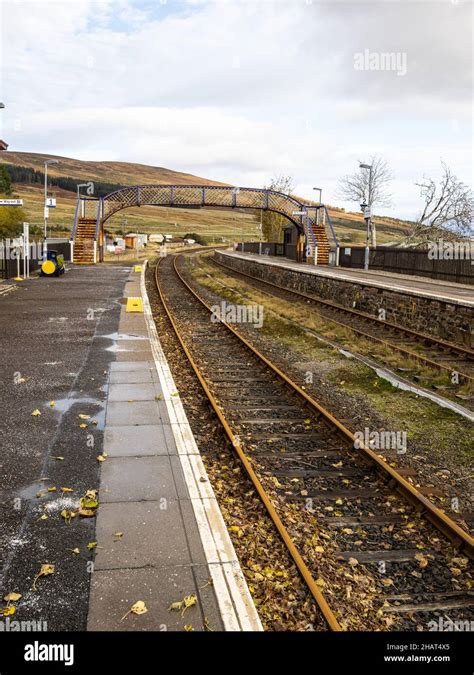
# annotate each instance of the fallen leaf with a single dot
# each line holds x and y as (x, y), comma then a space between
(66, 489)
(52, 403)
(74, 550)
(45, 571)
(12, 597)
(91, 545)
(60, 459)
(138, 607)
(184, 604)
(8, 611)
(35, 413)
(84, 417)
(68, 515)
(188, 627)
(101, 458)
(387, 582)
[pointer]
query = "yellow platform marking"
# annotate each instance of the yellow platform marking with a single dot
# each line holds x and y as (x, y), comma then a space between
(138, 268)
(134, 305)
(18, 279)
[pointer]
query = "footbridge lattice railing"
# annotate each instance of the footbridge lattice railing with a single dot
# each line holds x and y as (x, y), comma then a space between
(100, 209)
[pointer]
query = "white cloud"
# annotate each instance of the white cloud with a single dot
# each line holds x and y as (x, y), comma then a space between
(239, 91)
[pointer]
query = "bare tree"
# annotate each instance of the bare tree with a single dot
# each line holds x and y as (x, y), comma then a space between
(273, 223)
(448, 205)
(368, 187)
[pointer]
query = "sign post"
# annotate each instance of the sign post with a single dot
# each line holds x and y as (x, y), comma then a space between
(26, 250)
(11, 202)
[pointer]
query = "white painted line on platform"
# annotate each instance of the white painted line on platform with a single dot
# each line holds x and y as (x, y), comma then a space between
(233, 596)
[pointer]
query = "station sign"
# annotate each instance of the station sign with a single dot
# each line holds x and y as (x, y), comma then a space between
(11, 202)
(51, 202)
(367, 213)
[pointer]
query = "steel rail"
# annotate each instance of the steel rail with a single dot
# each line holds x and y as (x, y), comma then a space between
(329, 616)
(422, 337)
(459, 537)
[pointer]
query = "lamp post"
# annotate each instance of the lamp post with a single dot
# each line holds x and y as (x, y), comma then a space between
(367, 209)
(320, 202)
(78, 188)
(46, 212)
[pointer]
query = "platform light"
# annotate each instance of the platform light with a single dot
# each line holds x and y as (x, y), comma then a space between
(320, 194)
(367, 208)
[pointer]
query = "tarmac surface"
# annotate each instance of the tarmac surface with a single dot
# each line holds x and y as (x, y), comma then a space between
(54, 345)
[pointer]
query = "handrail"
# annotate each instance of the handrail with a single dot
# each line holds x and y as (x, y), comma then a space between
(97, 223)
(75, 220)
(334, 236)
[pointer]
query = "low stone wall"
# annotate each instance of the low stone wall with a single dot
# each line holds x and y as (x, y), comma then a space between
(447, 320)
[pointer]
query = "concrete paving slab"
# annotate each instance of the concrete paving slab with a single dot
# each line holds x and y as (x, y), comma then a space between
(153, 534)
(130, 323)
(131, 377)
(133, 413)
(144, 355)
(130, 365)
(137, 392)
(126, 441)
(115, 591)
(129, 479)
(133, 345)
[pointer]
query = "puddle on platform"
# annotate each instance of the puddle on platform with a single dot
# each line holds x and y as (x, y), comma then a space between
(30, 491)
(65, 404)
(122, 336)
(115, 348)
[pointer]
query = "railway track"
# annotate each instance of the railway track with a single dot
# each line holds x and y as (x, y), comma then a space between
(455, 361)
(351, 522)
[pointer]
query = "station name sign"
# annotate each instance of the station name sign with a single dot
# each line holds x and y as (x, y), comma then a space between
(11, 202)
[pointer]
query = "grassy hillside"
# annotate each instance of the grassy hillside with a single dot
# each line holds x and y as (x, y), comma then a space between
(210, 223)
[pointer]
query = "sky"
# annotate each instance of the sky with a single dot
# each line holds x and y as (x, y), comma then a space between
(242, 90)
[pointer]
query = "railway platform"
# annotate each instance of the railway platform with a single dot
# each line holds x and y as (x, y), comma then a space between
(438, 308)
(434, 289)
(86, 377)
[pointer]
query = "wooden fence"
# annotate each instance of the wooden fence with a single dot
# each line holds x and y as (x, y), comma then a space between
(408, 261)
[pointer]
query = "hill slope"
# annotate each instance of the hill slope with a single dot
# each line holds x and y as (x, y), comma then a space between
(126, 173)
